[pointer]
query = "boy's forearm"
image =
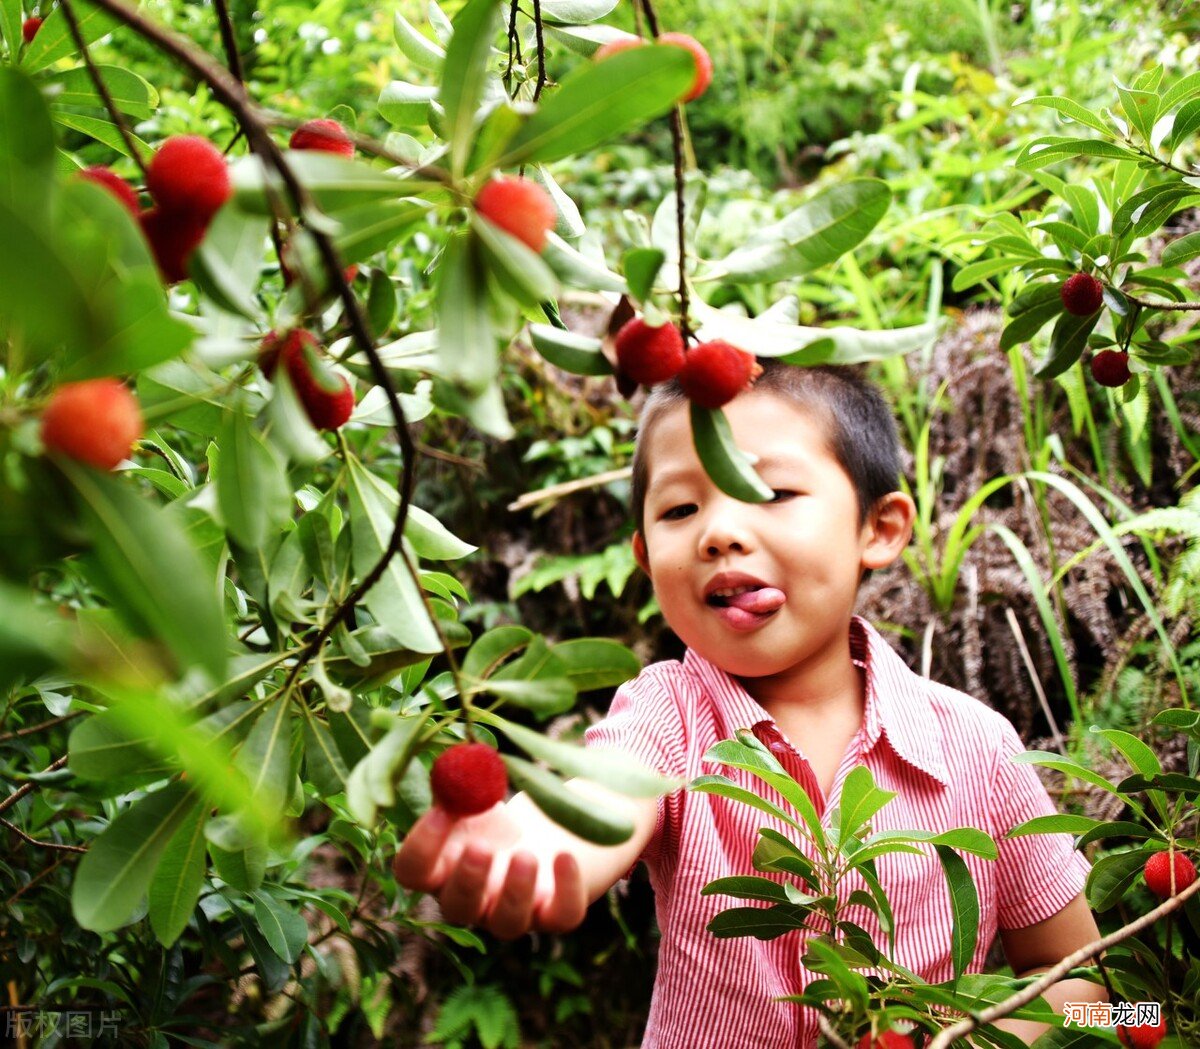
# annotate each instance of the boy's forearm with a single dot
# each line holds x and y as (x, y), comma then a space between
(601, 866)
(1057, 995)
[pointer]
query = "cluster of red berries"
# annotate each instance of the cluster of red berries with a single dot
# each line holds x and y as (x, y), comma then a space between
(326, 395)
(1082, 295)
(711, 374)
(468, 778)
(704, 66)
(95, 421)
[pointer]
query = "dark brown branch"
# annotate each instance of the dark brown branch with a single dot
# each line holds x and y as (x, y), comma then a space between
(541, 50)
(118, 117)
(30, 786)
(514, 46)
(41, 844)
(232, 94)
(229, 40)
(39, 727)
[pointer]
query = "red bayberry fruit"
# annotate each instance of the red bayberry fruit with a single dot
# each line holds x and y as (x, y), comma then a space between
(715, 372)
(327, 397)
(704, 66)
(468, 778)
(30, 27)
(1110, 368)
(104, 176)
(518, 206)
(1081, 294)
(95, 422)
(887, 1040)
(1159, 869)
(189, 175)
(649, 355)
(325, 135)
(1143, 1036)
(173, 236)
(622, 43)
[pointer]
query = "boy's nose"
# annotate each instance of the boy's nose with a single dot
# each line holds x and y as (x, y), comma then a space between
(724, 533)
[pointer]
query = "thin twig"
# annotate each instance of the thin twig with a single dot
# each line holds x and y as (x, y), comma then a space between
(229, 40)
(514, 47)
(41, 844)
(1027, 659)
(567, 487)
(118, 117)
(541, 49)
(41, 726)
(1147, 304)
(1056, 972)
(827, 1029)
(30, 786)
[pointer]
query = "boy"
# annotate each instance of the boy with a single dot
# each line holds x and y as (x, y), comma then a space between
(763, 595)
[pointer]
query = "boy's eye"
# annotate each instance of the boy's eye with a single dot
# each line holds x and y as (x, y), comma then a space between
(674, 513)
(781, 493)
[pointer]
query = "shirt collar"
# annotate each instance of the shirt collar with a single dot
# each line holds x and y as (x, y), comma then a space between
(897, 706)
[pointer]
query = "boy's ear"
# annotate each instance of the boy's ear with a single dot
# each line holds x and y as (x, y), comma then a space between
(888, 530)
(639, 552)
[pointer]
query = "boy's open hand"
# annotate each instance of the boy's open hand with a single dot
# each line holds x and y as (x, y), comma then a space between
(484, 874)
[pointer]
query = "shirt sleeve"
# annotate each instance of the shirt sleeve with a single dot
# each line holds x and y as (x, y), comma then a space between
(645, 721)
(1037, 874)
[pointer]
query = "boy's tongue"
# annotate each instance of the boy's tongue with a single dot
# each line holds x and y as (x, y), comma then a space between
(765, 599)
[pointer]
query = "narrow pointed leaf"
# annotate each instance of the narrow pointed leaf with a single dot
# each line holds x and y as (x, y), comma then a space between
(177, 882)
(964, 908)
(464, 74)
(728, 466)
(577, 814)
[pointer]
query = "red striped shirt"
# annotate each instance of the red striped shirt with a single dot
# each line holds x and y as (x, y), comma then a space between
(943, 752)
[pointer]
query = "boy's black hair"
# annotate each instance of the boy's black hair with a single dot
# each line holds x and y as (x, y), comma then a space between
(861, 430)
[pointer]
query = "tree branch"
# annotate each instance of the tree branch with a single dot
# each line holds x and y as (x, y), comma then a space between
(30, 786)
(1056, 972)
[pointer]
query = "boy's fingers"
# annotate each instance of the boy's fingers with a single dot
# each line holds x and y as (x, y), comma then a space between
(463, 894)
(510, 917)
(417, 865)
(568, 905)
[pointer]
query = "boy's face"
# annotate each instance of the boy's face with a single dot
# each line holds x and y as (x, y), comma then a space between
(806, 546)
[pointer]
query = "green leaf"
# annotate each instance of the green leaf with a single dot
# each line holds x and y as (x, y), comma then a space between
(598, 102)
(284, 929)
(149, 570)
(641, 266)
(747, 887)
(32, 638)
(815, 234)
(103, 131)
(395, 601)
(10, 24)
(265, 757)
(861, 799)
(373, 780)
(577, 270)
(1068, 108)
(759, 762)
(26, 149)
(465, 73)
(1112, 875)
(576, 12)
(964, 908)
(465, 344)
(1025, 326)
(175, 887)
(566, 808)
(416, 46)
(241, 869)
(54, 40)
(1060, 823)
(130, 93)
(728, 466)
(406, 105)
(1051, 149)
(774, 852)
(578, 354)
(1182, 250)
(252, 487)
(726, 788)
(333, 182)
(101, 748)
(596, 662)
(1067, 343)
(614, 769)
(326, 768)
(492, 648)
(114, 874)
(763, 923)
